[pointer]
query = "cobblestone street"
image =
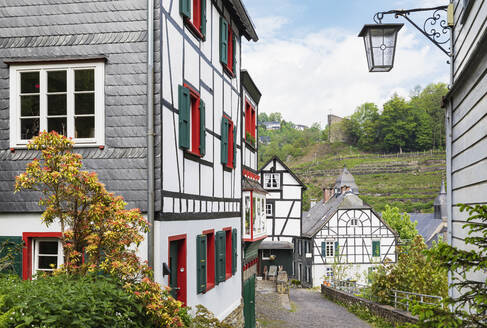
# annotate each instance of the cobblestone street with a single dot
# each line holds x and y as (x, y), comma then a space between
(305, 308)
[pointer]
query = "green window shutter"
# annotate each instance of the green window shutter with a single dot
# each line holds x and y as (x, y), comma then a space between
(220, 256)
(202, 128)
(184, 115)
(201, 263)
(234, 53)
(203, 18)
(376, 248)
(12, 245)
(223, 41)
(224, 141)
(234, 146)
(323, 248)
(185, 8)
(337, 249)
(234, 251)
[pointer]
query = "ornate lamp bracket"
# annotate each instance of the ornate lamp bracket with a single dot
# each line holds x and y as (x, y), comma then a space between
(435, 27)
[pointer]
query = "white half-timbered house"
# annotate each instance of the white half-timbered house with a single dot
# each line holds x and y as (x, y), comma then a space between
(253, 196)
(283, 209)
(120, 78)
(283, 212)
(342, 229)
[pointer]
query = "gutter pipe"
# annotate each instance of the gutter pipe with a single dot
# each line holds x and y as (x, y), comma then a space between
(150, 131)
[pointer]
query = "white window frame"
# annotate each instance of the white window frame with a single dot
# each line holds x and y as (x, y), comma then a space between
(35, 254)
(330, 248)
(353, 222)
(268, 209)
(15, 70)
(266, 252)
(270, 179)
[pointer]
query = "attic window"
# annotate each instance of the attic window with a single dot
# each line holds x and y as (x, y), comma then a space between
(354, 222)
(272, 181)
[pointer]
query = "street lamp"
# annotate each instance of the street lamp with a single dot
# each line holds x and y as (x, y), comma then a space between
(380, 45)
(380, 39)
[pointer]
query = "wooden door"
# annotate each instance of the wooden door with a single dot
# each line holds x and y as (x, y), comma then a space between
(177, 265)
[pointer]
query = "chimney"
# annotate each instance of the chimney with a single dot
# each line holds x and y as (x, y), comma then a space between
(326, 194)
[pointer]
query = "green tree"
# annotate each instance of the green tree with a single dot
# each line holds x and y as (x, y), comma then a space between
(275, 117)
(469, 308)
(263, 117)
(401, 223)
(413, 272)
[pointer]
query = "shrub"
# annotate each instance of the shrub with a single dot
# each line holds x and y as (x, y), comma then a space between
(67, 301)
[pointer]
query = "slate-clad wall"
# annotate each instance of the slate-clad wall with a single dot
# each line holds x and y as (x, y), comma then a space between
(467, 121)
(114, 29)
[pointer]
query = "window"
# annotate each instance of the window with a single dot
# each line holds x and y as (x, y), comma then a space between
(329, 272)
(228, 253)
(376, 248)
(272, 181)
(210, 259)
(354, 222)
(328, 248)
(248, 219)
(227, 47)
(300, 252)
(66, 98)
(197, 21)
(266, 254)
(192, 123)
(268, 209)
(249, 123)
(47, 255)
(228, 142)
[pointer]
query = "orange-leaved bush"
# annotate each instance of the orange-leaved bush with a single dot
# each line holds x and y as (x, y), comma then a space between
(98, 232)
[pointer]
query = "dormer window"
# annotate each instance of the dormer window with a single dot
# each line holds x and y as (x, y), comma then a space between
(272, 181)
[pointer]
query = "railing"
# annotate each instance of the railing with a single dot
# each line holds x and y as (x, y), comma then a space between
(399, 298)
(402, 298)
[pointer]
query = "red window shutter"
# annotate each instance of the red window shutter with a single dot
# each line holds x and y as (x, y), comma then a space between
(195, 126)
(197, 13)
(228, 253)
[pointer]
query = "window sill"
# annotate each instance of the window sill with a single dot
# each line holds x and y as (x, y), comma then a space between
(252, 146)
(228, 71)
(23, 146)
(193, 29)
(194, 153)
(209, 286)
(228, 275)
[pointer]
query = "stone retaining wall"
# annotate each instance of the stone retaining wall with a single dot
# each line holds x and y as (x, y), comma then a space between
(236, 318)
(384, 311)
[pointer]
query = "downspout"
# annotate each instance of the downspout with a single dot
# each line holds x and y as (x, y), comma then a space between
(150, 131)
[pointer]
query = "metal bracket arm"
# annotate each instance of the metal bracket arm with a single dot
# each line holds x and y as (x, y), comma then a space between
(435, 27)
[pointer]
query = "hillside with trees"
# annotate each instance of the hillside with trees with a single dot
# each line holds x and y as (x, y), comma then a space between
(396, 154)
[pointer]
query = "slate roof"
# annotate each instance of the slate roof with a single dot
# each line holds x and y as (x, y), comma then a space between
(322, 212)
(249, 28)
(274, 244)
(346, 179)
(427, 225)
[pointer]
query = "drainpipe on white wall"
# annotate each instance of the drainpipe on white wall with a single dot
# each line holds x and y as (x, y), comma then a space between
(150, 131)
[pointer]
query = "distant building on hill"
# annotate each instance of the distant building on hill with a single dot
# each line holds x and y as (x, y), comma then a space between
(272, 125)
(264, 140)
(336, 132)
(433, 225)
(300, 127)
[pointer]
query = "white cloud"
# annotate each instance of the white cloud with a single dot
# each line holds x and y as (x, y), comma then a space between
(305, 78)
(270, 25)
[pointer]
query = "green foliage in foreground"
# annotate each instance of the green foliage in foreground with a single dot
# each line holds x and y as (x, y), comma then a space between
(414, 272)
(470, 308)
(64, 301)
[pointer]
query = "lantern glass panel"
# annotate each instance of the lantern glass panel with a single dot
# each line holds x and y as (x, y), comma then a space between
(380, 44)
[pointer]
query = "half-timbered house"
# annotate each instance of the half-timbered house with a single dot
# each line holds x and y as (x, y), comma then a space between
(283, 212)
(150, 92)
(342, 230)
(466, 121)
(253, 196)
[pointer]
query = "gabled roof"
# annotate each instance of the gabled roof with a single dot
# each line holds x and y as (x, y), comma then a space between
(249, 28)
(251, 185)
(346, 179)
(322, 212)
(274, 244)
(275, 158)
(428, 226)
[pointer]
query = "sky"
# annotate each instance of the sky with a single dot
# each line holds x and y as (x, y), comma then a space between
(309, 62)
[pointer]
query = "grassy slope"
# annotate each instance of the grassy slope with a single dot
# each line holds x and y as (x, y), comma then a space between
(408, 181)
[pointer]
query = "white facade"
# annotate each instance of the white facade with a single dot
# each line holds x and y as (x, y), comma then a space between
(283, 209)
(354, 231)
